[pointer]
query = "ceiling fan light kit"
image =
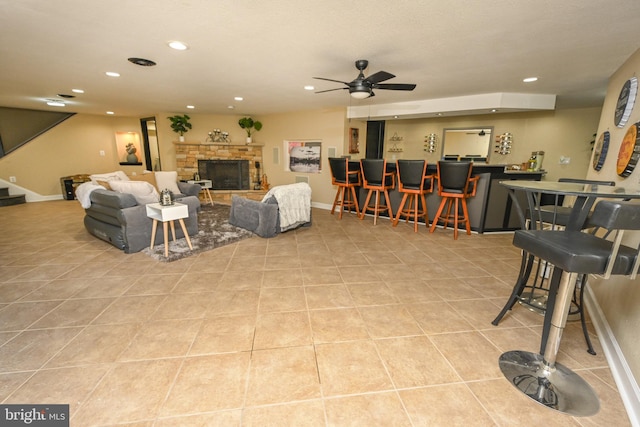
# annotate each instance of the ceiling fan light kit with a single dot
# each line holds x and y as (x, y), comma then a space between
(362, 87)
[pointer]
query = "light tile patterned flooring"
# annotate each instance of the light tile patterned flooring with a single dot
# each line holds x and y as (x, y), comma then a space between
(343, 323)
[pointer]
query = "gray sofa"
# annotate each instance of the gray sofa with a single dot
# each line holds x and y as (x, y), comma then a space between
(117, 218)
(261, 218)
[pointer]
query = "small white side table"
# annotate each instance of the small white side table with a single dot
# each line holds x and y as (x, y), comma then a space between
(205, 184)
(168, 214)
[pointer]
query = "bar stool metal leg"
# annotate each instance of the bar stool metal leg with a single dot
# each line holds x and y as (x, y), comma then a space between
(540, 377)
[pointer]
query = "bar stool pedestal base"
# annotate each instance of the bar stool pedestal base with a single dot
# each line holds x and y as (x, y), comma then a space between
(557, 388)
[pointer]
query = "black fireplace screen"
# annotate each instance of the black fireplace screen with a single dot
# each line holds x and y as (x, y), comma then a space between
(225, 174)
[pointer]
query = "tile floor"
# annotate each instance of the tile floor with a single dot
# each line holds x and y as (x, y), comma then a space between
(343, 323)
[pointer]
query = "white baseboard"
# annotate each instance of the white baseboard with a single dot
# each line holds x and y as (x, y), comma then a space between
(29, 195)
(627, 384)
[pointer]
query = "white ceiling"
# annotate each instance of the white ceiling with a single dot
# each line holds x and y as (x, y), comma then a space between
(266, 51)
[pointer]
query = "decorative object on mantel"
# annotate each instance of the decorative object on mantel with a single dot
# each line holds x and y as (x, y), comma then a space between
(180, 125)
(504, 142)
(217, 135)
(430, 143)
(248, 124)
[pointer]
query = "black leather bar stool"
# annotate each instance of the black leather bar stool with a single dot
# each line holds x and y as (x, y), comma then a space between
(376, 179)
(455, 186)
(572, 253)
(347, 180)
(413, 183)
(535, 295)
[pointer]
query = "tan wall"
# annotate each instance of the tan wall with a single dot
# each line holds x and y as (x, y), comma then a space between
(73, 147)
(558, 133)
(619, 297)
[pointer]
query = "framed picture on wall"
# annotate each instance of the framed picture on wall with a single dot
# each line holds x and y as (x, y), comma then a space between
(354, 140)
(303, 156)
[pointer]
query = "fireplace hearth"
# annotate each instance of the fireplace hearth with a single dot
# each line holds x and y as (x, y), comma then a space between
(225, 174)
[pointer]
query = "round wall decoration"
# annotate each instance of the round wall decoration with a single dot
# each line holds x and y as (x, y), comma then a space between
(625, 102)
(600, 150)
(629, 151)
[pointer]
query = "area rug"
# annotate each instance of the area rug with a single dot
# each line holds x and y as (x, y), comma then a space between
(214, 231)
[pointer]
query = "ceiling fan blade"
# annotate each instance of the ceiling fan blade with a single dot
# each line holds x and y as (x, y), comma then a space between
(331, 80)
(331, 90)
(380, 76)
(395, 86)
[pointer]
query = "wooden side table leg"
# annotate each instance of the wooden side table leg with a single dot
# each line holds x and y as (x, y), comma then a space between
(154, 227)
(165, 229)
(173, 230)
(186, 235)
(208, 194)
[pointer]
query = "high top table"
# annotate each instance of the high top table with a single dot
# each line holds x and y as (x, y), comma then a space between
(555, 385)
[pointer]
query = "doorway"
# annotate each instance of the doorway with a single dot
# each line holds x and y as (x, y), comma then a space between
(150, 141)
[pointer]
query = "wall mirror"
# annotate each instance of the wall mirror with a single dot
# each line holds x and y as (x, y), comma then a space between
(467, 143)
(150, 141)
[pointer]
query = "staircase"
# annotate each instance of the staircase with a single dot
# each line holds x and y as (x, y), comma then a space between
(7, 200)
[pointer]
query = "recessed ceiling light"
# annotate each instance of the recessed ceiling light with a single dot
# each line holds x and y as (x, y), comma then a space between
(77, 90)
(110, 112)
(178, 45)
(142, 62)
(530, 79)
(309, 87)
(112, 74)
(190, 106)
(238, 98)
(55, 102)
(231, 107)
(494, 110)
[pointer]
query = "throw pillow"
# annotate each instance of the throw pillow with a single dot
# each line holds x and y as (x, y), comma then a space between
(105, 184)
(147, 177)
(113, 176)
(143, 192)
(168, 180)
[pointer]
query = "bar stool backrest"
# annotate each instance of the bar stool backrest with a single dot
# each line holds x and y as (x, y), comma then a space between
(617, 216)
(411, 174)
(453, 177)
(373, 171)
(339, 169)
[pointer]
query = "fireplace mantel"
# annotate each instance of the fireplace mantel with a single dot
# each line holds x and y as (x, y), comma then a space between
(217, 144)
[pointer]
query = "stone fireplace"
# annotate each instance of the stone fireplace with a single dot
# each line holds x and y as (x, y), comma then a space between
(246, 160)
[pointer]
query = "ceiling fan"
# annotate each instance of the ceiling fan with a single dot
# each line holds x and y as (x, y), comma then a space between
(362, 87)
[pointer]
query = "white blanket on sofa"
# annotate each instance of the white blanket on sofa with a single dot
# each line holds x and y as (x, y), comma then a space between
(294, 204)
(83, 193)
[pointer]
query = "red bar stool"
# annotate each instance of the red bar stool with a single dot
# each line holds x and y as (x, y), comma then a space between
(347, 180)
(455, 186)
(413, 183)
(376, 179)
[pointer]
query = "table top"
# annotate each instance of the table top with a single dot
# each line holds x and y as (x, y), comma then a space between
(573, 189)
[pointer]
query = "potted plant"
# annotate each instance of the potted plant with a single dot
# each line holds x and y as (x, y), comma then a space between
(180, 125)
(249, 125)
